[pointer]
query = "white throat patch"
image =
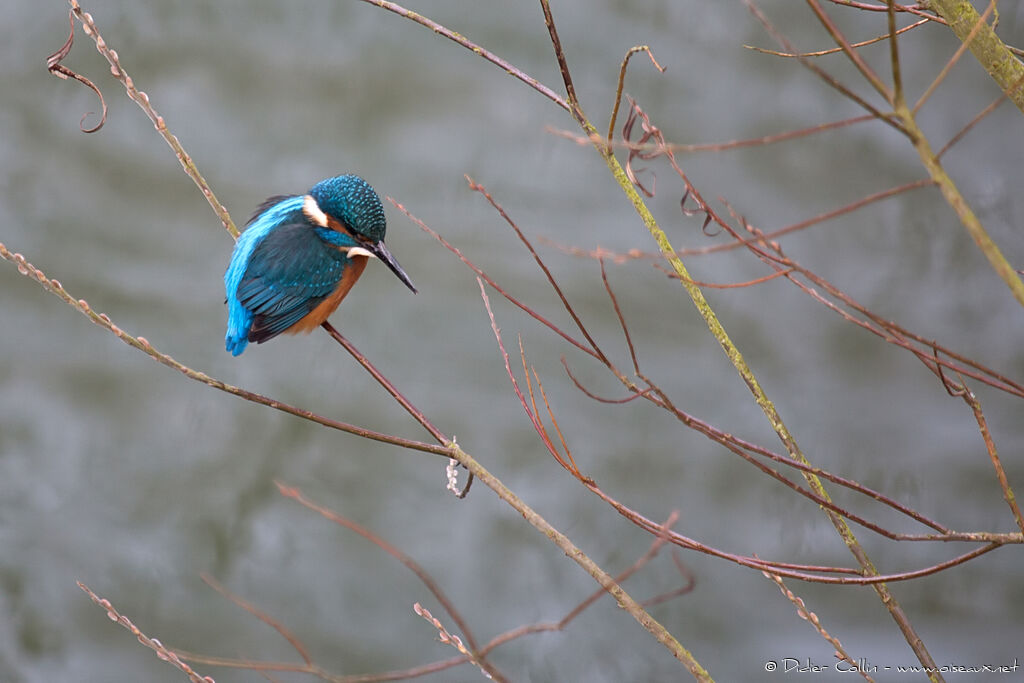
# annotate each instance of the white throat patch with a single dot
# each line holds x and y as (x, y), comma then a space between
(313, 212)
(359, 251)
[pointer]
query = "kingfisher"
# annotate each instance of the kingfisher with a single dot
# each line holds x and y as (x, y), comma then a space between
(299, 257)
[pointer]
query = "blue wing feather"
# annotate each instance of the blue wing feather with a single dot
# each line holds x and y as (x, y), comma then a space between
(282, 268)
(289, 274)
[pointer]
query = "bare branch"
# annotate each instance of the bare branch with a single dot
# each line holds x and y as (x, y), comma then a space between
(142, 99)
(142, 344)
(812, 618)
(262, 616)
(152, 643)
(386, 383)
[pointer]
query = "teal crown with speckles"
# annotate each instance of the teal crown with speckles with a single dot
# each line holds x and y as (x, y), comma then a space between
(351, 200)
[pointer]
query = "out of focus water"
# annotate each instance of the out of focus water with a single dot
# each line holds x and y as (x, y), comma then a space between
(122, 474)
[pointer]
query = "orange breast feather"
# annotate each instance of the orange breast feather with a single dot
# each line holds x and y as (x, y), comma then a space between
(319, 314)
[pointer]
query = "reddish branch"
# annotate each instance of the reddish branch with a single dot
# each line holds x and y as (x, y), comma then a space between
(480, 653)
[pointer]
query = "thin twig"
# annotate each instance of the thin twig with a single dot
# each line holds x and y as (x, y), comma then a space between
(453, 640)
(563, 66)
(990, 447)
(422, 574)
(458, 38)
(601, 399)
(261, 615)
(142, 344)
(536, 257)
(608, 583)
(812, 618)
(709, 146)
(886, 329)
(684, 571)
(622, 319)
(804, 573)
(954, 59)
(894, 57)
(786, 437)
(142, 99)
(490, 281)
(541, 627)
(575, 470)
(918, 10)
(834, 50)
(152, 643)
(888, 118)
(869, 74)
(981, 115)
(727, 285)
(386, 383)
(622, 77)
(1000, 61)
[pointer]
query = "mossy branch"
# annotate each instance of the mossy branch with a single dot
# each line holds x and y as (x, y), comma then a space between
(987, 47)
(732, 352)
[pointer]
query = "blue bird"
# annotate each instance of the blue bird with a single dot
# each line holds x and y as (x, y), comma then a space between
(300, 256)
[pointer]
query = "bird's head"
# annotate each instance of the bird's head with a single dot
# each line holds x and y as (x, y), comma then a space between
(352, 202)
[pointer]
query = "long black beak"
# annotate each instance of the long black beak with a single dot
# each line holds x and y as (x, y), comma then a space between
(381, 252)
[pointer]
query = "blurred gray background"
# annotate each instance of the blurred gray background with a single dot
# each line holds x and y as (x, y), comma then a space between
(120, 473)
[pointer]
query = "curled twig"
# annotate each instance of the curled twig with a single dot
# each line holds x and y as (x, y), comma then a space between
(54, 66)
(142, 99)
(622, 77)
(636, 151)
(650, 146)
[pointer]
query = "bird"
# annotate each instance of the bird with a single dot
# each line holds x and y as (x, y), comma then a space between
(299, 257)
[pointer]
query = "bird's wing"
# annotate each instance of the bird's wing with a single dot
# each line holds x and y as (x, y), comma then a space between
(290, 271)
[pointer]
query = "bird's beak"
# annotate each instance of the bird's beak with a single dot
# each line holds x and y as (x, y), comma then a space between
(381, 252)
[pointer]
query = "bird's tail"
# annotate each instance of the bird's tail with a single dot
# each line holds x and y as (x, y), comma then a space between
(239, 323)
